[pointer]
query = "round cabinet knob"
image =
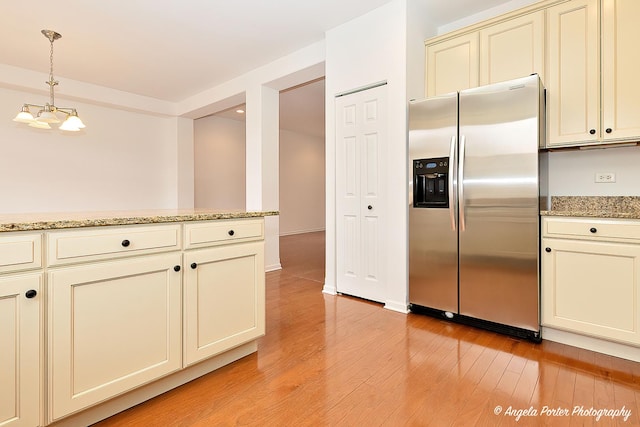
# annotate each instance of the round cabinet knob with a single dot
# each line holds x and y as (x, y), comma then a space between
(31, 293)
(609, 130)
(125, 243)
(194, 265)
(547, 249)
(176, 268)
(593, 229)
(369, 207)
(231, 232)
(592, 131)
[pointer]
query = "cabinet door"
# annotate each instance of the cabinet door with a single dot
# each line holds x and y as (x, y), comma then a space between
(20, 351)
(592, 288)
(620, 64)
(112, 327)
(512, 49)
(452, 65)
(573, 75)
(224, 300)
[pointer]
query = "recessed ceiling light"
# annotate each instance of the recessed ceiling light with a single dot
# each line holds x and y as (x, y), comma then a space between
(239, 111)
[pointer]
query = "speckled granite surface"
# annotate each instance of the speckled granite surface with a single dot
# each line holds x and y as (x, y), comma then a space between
(595, 206)
(52, 221)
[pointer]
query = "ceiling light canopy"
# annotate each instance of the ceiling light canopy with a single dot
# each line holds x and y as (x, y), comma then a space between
(49, 112)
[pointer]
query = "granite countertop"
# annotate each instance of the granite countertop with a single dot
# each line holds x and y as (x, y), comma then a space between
(595, 206)
(59, 220)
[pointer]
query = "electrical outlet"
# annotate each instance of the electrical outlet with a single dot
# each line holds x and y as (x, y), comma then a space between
(605, 177)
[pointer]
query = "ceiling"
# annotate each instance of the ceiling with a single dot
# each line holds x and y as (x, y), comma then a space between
(173, 49)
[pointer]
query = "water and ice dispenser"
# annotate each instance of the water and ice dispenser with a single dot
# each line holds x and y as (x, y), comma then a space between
(431, 183)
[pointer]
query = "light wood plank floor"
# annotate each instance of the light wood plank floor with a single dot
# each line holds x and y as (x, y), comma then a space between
(340, 361)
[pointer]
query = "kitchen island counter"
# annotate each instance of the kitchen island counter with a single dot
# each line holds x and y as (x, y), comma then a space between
(62, 220)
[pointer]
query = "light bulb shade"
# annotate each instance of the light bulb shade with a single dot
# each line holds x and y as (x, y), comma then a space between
(24, 117)
(74, 120)
(47, 117)
(39, 125)
(69, 125)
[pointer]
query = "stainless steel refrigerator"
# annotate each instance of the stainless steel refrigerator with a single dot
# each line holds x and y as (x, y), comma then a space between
(475, 193)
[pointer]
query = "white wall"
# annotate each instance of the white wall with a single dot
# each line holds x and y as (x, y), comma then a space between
(302, 183)
(122, 160)
(369, 49)
(572, 173)
(219, 164)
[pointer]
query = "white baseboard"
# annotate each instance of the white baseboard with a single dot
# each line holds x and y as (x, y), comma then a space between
(272, 267)
(396, 306)
(291, 233)
(598, 345)
(329, 289)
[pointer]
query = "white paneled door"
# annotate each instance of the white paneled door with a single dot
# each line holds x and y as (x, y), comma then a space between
(361, 129)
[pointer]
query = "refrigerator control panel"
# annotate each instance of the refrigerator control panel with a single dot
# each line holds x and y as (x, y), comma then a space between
(431, 183)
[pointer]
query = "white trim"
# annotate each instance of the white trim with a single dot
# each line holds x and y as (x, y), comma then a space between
(272, 267)
(292, 233)
(329, 289)
(397, 306)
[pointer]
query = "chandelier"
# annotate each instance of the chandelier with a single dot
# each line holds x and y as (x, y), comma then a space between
(49, 112)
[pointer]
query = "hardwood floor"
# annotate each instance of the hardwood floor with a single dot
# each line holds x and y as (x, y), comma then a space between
(340, 361)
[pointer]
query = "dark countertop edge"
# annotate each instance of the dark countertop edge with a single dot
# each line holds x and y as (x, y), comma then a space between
(124, 220)
(593, 214)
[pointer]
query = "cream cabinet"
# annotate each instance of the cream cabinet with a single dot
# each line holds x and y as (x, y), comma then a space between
(512, 49)
(224, 294)
(452, 65)
(505, 50)
(590, 277)
(223, 299)
(592, 88)
(94, 320)
(20, 350)
(112, 326)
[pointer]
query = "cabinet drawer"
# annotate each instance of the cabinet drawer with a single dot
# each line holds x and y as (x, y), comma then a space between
(20, 252)
(105, 242)
(592, 229)
(222, 232)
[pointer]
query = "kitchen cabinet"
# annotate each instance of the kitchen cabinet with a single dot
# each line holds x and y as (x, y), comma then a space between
(504, 50)
(592, 89)
(512, 49)
(223, 299)
(590, 282)
(112, 326)
(21, 304)
(224, 286)
(452, 64)
(133, 304)
(20, 351)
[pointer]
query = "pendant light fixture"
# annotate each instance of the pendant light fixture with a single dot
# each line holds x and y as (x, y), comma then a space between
(49, 112)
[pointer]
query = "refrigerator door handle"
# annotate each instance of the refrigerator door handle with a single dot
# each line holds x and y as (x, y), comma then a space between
(452, 162)
(461, 183)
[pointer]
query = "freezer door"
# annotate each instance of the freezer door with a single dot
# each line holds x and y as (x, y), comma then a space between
(433, 238)
(499, 210)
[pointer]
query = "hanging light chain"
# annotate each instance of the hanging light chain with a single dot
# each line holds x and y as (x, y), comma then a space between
(51, 81)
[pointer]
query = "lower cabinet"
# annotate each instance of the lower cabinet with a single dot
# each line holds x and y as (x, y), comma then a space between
(112, 326)
(20, 352)
(590, 278)
(223, 299)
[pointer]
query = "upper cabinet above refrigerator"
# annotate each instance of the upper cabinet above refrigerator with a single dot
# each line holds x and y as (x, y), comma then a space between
(495, 53)
(583, 50)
